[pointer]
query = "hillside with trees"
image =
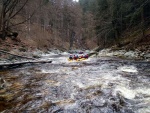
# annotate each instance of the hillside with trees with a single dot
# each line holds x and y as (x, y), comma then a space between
(67, 24)
(55, 23)
(117, 21)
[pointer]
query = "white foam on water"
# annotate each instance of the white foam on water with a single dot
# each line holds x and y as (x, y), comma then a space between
(47, 71)
(105, 79)
(59, 70)
(59, 60)
(144, 110)
(100, 81)
(145, 91)
(130, 69)
(79, 84)
(49, 54)
(125, 92)
(71, 106)
(65, 53)
(131, 93)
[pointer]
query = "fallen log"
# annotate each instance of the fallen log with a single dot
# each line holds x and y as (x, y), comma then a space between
(2, 51)
(19, 64)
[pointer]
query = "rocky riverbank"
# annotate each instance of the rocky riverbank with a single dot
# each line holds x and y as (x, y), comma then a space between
(136, 54)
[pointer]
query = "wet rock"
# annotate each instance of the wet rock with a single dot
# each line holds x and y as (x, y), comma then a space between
(96, 110)
(93, 53)
(131, 54)
(104, 52)
(55, 109)
(46, 105)
(85, 104)
(146, 56)
(114, 104)
(74, 68)
(2, 83)
(127, 111)
(6, 97)
(71, 111)
(97, 92)
(56, 51)
(64, 102)
(136, 54)
(99, 102)
(115, 107)
(4, 105)
(36, 56)
(93, 94)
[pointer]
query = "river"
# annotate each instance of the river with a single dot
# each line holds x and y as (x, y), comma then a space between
(96, 85)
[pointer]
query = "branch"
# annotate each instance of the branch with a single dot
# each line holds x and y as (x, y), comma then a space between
(27, 18)
(6, 3)
(11, 6)
(24, 20)
(19, 9)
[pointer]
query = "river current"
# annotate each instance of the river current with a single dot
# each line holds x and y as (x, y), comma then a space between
(96, 85)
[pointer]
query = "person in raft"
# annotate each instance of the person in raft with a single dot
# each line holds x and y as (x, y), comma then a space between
(70, 57)
(86, 56)
(75, 57)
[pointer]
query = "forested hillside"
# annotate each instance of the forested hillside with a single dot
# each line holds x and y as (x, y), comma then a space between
(115, 19)
(52, 22)
(66, 23)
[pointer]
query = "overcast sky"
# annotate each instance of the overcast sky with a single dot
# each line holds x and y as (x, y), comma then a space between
(76, 0)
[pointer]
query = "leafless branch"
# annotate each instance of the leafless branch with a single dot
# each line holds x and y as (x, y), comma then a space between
(19, 9)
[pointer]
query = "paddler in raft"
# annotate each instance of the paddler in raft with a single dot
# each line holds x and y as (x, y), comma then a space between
(70, 57)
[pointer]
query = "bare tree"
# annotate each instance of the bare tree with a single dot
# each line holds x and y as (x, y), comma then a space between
(9, 9)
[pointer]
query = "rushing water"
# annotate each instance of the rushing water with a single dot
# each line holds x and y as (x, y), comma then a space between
(97, 85)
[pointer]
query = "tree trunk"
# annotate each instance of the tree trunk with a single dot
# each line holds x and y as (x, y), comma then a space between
(142, 22)
(3, 34)
(3, 22)
(71, 40)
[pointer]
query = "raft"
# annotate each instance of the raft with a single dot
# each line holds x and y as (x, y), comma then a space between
(79, 59)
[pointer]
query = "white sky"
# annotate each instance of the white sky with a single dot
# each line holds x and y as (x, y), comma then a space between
(76, 0)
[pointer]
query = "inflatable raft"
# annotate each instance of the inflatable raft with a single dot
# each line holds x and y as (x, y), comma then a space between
(79, 59)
